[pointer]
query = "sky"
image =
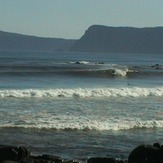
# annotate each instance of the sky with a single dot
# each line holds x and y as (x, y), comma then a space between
(70, 19)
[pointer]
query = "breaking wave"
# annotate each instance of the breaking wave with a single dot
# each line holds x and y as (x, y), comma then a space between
(83, 69)
(90, 125)
(83, 92)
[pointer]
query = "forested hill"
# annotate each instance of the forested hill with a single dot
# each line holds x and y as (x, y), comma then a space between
(120, 40)
(13, 41)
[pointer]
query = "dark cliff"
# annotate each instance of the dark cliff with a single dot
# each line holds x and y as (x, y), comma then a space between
(13, 41)
(120, 40)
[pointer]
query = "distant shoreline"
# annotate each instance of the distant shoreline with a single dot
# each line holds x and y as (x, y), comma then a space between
(97, 39)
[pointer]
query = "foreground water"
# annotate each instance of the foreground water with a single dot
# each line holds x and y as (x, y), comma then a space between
(80, 105)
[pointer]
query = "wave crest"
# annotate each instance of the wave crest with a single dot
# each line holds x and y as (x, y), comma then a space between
(91, 125)
(85, 92)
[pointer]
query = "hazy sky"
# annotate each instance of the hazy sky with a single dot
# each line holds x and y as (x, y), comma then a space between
(70, 18)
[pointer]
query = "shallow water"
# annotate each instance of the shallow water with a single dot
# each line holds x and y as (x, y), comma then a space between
(77, 106)
(80, 145)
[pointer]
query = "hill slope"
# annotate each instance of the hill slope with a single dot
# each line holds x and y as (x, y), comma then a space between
(13, 41)
(120, 40)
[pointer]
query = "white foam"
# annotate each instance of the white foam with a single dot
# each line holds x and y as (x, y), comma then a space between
(84, 92)
(120, 72)
(81, 124)
(117, 70)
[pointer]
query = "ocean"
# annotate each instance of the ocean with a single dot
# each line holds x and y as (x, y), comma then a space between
(80, 105)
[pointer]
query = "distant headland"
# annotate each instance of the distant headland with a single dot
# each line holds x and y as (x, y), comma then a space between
(120, 40)
(97, 38)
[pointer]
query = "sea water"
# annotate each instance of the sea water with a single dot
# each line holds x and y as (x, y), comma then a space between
(80, 105)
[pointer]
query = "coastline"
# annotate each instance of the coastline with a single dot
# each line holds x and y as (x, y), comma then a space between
(140, 154)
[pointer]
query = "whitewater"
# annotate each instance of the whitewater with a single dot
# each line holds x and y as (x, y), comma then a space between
(79, 105)
(83, 92)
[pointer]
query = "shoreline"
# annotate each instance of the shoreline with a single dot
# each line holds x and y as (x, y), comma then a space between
(140, 154)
